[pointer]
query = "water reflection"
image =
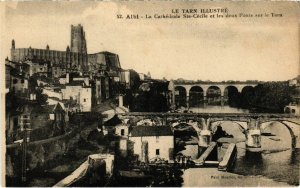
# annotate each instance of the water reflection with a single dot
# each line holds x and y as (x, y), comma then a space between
(249, 164)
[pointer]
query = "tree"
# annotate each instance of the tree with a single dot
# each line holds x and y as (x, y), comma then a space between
(41, 98)
(141, 103)
(157, 103)
(270, 96)
(135, 80)
(150, 99)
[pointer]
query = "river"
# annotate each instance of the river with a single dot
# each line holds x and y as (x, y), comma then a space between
(277, 164)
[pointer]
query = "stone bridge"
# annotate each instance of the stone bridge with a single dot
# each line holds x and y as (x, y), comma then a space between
(203, 87)
(252, 124)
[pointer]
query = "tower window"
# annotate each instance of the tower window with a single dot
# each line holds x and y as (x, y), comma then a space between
(157, 151)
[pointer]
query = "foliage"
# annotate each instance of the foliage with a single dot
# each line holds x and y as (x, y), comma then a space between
(267, 97)
(41, 98)
(149, 99)
(135, 81)
(272, 95)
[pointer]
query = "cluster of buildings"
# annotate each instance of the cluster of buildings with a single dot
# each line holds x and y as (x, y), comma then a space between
(73, 79)
(67, 71)
(147, 140)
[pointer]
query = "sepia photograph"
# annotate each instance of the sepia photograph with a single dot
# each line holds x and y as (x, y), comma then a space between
(150, 93)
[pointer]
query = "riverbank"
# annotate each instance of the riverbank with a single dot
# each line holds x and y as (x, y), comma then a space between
(211, 177)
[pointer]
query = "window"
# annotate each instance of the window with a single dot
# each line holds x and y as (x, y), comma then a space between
(15, 120)
(122, 132)
(84, 100)
(256, 140)
(157, 152)
(22, 81)
(41, 69)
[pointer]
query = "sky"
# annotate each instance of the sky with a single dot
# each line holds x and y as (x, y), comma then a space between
(215, 49)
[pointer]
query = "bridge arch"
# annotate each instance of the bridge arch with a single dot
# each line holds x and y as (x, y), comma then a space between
(149, 122)
(176, 125)
(196, 96)
(180, 96)
(247, 88)
(242, 124)
(239, 136)
(292, 131)
(214, 95)
(231, 96)
(246, 93)
(195, 125)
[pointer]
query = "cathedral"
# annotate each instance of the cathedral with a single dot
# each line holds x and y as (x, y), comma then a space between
(103, 67)
(74, 58)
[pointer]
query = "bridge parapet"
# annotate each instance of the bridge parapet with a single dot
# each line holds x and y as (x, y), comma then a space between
(208, 115)
(212, 82)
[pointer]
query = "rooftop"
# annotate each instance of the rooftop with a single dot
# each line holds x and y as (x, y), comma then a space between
(103, 52)
(138, 131)
(76, 83)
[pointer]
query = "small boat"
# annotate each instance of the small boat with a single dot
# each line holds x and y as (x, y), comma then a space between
(275, 139)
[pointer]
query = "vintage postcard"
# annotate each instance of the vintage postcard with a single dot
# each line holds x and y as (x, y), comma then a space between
(150, 93)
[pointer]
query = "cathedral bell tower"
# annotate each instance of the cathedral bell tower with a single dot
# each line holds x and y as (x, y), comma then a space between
(78, 42)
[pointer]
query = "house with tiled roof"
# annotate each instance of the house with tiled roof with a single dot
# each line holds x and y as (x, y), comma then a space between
(80, 92)
(152, 142)
(77, 91)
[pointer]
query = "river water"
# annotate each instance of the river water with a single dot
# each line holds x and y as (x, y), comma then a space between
(277, 162)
